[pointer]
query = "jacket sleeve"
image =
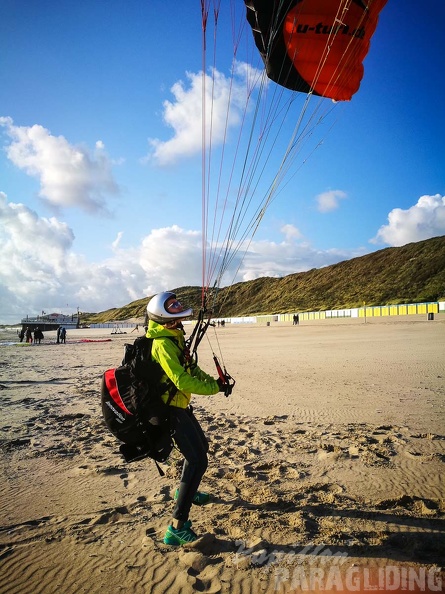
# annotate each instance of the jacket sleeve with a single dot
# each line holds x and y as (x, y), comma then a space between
(200, 374)
(166, 353)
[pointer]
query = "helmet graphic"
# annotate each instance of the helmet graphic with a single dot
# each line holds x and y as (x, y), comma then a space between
(157, 311)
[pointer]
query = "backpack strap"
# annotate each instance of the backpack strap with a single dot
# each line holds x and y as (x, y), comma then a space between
(168, 384)
(172, 391)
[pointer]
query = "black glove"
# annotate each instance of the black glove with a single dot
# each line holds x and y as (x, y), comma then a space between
(221, 385)
(224, 387)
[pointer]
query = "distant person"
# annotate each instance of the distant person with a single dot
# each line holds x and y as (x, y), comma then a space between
(38, 335)
(21, 334)
(28, 335)
(63, 335)
(58, 335)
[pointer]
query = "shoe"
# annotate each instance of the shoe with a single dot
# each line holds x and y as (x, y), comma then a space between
(200, 498)
(180, 536)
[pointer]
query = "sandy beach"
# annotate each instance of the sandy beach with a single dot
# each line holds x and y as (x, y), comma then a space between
(327, 463)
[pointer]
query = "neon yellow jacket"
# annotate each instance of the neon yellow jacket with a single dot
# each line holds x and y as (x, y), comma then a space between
(168, 354)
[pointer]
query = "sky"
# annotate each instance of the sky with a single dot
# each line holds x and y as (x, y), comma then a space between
(101, 175)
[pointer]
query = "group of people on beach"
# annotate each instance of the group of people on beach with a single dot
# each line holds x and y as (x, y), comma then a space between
(37, 336)
(27, 335)
(61, 335)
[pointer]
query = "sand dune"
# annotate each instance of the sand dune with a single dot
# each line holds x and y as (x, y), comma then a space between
(330, 453)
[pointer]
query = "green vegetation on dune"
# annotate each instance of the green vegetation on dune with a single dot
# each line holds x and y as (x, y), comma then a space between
(413, 273)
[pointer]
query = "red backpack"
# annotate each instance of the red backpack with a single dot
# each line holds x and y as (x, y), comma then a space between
(132, 407)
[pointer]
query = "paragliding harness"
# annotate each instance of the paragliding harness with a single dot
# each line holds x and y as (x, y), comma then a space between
(132, 407)
(191, 353)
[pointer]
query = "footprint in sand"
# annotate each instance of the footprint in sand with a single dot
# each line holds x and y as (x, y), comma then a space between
(124, 478)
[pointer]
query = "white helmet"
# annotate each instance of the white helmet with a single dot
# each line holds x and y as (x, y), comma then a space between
(157, 311)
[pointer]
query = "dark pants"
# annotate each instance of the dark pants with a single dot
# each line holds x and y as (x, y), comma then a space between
(192, 443)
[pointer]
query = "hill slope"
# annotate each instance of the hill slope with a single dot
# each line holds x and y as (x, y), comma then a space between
(412, 273)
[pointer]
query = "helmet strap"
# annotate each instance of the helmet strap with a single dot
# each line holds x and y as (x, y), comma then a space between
(173, 324)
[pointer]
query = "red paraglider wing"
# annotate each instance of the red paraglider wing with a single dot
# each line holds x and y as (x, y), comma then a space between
(315, 46)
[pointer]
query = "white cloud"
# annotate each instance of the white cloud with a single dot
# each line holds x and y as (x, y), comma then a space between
(39, 268)
(31, 243)
(290, 231)
(424, 220)
(172, 256)
(117, 241)
(329, 201)
(266, 258)
(69, 176)
(227, 98)
(35, 254)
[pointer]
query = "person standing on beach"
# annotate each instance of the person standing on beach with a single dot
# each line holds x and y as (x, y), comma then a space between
(38, 335)
(165, 314)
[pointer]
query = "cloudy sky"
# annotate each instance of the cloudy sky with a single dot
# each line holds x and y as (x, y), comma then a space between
(101, 176)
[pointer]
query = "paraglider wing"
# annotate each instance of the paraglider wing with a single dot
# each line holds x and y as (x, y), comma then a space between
(315, 46)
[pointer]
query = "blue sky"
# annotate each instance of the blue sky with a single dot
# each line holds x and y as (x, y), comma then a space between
(101, 165)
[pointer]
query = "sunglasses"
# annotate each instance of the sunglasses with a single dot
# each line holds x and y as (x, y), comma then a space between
(174, 305)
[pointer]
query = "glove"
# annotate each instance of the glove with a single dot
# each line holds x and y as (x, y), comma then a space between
(222, 386)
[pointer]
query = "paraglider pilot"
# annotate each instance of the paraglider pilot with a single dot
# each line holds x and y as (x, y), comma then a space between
(165, 315)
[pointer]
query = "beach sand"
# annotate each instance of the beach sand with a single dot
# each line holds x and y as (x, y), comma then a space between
(329, 454)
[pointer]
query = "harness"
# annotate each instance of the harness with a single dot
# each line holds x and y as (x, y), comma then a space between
(191, 349)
